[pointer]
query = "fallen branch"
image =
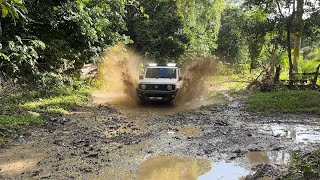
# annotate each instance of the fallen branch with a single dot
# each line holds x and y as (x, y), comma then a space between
(255, 81)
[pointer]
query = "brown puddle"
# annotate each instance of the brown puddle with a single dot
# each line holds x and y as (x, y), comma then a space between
(263, 157)
(17, 167)
(173, 167)
(184, 168)
(19, 159)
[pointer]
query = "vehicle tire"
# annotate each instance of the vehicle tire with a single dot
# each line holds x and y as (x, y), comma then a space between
(169, 99)
(143, 99)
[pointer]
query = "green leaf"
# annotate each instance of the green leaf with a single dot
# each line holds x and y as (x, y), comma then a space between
(4, 57)
(39, 44)
(4, 10)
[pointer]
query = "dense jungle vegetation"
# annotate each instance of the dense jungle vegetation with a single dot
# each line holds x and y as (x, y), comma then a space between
(46, 43)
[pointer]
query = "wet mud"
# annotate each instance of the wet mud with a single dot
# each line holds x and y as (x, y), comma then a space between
(216, 140)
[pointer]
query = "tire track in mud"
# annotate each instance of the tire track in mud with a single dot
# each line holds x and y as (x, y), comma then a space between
(100, 142)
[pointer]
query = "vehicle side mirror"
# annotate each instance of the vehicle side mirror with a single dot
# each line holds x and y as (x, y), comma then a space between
(180, 78)
(140, 77)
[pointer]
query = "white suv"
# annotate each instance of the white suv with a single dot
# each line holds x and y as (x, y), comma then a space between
(160, 82)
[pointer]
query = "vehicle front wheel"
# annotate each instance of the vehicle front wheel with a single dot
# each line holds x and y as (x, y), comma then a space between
(169, 99)
(143, 99)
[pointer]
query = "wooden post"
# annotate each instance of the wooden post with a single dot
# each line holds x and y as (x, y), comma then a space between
(316, 75)
(277, 75)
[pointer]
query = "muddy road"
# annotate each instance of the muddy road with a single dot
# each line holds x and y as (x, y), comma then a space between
(203, 140)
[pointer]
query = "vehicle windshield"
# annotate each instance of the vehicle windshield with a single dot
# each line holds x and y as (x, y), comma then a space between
(161, 73)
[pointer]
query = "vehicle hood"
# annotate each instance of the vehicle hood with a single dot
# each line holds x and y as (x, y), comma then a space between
(158, 81)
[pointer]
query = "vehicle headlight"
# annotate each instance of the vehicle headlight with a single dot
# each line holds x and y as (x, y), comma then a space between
(169, 87)
(143, 86)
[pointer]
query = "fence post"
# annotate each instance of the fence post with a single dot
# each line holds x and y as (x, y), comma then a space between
(316, 75)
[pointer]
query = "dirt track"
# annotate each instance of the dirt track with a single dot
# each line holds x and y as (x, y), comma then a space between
(217, 141)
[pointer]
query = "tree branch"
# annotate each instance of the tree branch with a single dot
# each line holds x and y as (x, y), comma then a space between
(279, 8)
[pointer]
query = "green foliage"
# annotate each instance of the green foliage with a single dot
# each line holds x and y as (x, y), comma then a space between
(76, 32)
(201, 20)
(13, 125)
(20, 108)
(310, 58)
(166, 29)
(285, 102)
(13, 8)
(232, 45)
(255, 27)
(48, 44)
(272, 53)
(157, 30)
(72, 32)
(308, 61)
(287, 21)
(19, 59)
(308, 66)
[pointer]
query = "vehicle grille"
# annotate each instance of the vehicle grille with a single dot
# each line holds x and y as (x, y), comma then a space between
(158, 87)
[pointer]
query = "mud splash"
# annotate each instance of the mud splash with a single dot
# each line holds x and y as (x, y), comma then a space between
(118, 73)
(194, 75)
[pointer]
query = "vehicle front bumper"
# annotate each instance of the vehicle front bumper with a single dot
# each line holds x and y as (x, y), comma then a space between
(156, 93)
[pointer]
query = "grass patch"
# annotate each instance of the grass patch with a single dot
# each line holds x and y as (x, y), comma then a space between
(11, 125)
(305, 166)
(285, 102)
(230, 83)
(22, 108)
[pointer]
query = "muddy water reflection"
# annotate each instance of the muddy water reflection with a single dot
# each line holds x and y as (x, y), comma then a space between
(172, 167)
(225, 171)
(299, 133)
(275, 157)
(168, 168)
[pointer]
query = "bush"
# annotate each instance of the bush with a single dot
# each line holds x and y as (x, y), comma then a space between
(22, 107)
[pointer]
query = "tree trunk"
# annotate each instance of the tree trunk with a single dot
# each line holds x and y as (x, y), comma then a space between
(296, 53)
(0, 30)
(273, 60)
(298, 34)
(277, 75)
(289, 55)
